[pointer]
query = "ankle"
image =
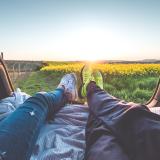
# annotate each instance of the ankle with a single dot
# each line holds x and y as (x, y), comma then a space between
(61, 87)
(91, 85)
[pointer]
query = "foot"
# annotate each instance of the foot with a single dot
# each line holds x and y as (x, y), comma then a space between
(98, 78)
(69, 82)
(86, 77)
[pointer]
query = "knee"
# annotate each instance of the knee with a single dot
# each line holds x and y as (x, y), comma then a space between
(40, 98)
(40, 95)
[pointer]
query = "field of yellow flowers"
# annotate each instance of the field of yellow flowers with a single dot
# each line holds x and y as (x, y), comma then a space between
(130, 82)
(107, 69)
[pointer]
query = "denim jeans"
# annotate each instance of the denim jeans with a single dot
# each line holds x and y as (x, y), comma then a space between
(117, 130)
(19, 131)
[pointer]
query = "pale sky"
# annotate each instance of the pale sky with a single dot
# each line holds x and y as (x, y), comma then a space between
(80, 29)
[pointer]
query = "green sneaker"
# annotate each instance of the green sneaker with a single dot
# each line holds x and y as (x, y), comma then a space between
(86, 77)
(98, 78)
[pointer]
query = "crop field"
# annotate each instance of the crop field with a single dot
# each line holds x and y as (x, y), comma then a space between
(131, 82)
(107, 69)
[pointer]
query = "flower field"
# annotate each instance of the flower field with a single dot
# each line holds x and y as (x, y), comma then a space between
(107, 69)
(130, 82)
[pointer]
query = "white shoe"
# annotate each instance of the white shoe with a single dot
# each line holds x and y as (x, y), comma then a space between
(69, 83)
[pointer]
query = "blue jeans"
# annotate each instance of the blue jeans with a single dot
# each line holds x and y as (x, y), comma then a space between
(19, 131)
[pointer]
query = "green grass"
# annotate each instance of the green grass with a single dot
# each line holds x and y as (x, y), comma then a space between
(38, 81)
(138, 89)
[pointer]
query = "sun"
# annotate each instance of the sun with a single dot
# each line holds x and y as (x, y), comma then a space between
(93, 43)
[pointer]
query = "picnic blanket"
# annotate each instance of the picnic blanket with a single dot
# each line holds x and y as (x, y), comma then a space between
(63, 138)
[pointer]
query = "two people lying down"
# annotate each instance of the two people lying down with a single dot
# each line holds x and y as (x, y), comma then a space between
(115, 129)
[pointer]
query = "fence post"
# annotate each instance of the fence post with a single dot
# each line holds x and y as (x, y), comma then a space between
(19, 69)
(2, 56)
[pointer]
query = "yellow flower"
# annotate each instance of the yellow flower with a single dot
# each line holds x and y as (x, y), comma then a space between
(106, 69)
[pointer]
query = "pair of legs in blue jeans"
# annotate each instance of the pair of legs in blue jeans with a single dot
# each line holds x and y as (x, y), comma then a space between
(19, 131)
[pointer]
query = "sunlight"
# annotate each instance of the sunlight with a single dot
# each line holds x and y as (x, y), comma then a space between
(93, 43)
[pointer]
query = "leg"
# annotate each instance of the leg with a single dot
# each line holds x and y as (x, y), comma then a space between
(116, 129)
(101, 142)
(122, 127)
(19, 131)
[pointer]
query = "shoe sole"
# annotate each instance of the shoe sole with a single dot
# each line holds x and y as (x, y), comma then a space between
(102, 77)
(81, 77)
(75, 78)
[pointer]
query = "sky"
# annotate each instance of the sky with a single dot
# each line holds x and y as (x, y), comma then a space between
(80, 29)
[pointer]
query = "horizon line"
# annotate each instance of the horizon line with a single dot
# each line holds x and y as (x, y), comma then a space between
(111, 60)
